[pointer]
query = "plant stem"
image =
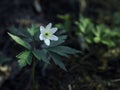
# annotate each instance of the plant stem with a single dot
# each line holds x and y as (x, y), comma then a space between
(33, 75)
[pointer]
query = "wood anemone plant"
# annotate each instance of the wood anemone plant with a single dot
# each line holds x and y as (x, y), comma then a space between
(35, 49)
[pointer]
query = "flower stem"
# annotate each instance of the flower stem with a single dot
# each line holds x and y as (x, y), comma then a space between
(33, 75)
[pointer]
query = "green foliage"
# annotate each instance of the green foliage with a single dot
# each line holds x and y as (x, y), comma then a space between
(20, 41)
(58, 51)
(41, 55)
(33, 30)
(29, 39)
(58, 61)
(60, 41)
(25, 58)
(65, 26)
(97, 34)
(17, 31)
(63, 50)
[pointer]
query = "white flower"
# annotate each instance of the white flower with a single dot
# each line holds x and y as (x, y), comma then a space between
(46, 34)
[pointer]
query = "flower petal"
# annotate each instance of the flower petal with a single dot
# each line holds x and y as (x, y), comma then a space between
(47, 42)
(53, 30)
(49, 26)
(41, 37)
(53, 37)
(42, 29)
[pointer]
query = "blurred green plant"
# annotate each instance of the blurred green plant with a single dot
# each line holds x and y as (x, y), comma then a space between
(90, 33)
(97, 34)
(66, 25)
(93, 36)
(36, 50)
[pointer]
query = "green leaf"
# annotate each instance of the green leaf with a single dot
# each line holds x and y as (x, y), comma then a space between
(41, 55)
(97, 39)
(20, 41)
(98, 31)
(63, 50)
(64, 17)
(58, 51)
(36, 36)
(16, 31)
(57, 60)
(22, 63)
(60, 41)
(68, 50)
(25, 58)
(88, 40)
(82, 28)
(19, 32)
(109, 43)
(32, 30)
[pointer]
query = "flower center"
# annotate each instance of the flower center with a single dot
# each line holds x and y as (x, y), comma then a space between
(47, 34)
